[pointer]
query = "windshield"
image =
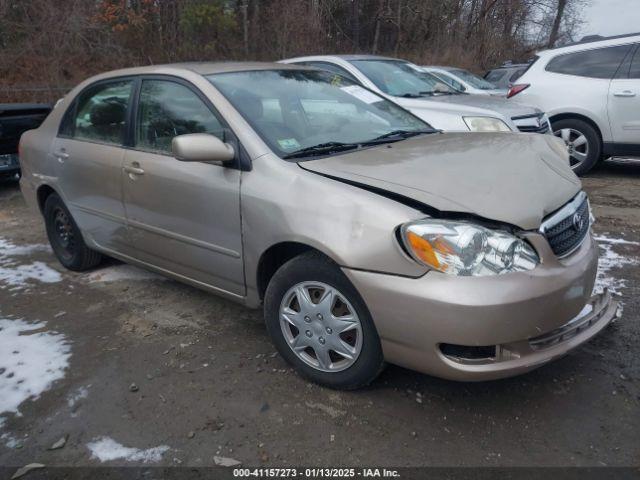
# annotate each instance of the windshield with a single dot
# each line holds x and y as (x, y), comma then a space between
(294, 110)
(401, 79)
(473, 79)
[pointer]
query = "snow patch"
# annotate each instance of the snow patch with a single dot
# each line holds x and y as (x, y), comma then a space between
(8, 249)
(18, 276)
(15, 276)
(122, 272)
(610, 260)
(106, 449)
(30, 362)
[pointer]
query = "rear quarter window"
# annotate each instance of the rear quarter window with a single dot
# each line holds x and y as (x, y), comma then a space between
(597, 63)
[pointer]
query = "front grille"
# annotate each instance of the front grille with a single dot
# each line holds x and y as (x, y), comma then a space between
(544, 128)
(532, 123)
(567, 228)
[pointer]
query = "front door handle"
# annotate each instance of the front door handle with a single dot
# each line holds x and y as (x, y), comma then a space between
(624, 93)
(134, 169)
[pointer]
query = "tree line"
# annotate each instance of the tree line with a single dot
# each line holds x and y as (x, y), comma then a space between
(48, 45)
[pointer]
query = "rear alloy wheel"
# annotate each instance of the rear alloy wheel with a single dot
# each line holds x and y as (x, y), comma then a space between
(320, 324)
(582, 141)
(65, 237)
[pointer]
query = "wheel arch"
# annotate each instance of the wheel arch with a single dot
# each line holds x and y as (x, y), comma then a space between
(277, 255)
(42, 193)
(577, 116)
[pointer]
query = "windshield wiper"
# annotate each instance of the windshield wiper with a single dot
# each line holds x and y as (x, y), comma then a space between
(402, 134)
(321, 148)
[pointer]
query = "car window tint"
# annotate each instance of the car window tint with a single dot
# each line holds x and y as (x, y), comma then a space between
(452, 82)
(330, 67)
(517, 74)
(599, 63)
(102, 112)
(634, 72)
(167, 109)
(495, 75)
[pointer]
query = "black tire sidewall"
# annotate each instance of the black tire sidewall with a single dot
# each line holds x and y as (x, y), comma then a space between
(593, 139)
(82, 257)
(316, 267)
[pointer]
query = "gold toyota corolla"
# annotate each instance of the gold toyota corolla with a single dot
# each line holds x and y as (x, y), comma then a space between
(367, 235)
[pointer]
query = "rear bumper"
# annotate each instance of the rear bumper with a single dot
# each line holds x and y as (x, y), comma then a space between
(514, 313)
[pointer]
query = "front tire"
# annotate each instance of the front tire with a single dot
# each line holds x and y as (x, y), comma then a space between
(65, 237)
(582, 141)
(320, 324)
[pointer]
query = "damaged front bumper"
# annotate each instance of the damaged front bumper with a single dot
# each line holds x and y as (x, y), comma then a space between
(531, 353)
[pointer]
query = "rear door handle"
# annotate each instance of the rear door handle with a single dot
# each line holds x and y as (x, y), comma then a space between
(624, 93)
(134, 169)
(61, 155)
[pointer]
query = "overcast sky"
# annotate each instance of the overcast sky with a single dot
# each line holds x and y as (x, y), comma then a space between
(611, 17)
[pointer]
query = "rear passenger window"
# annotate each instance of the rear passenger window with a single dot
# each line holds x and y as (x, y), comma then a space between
(494, 76)
(102, 112)
(168, 109)
(600, 63)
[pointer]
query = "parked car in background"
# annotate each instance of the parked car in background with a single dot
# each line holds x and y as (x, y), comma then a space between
(505, 75)
(427, 96)
(366, 234)
(15, 119)
(591, 92)
(466, 81)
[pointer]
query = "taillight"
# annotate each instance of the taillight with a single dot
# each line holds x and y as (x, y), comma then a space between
(516, 89)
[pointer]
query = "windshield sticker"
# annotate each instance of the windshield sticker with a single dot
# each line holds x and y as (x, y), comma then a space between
(336, 81)
(361, 94)
(288, 143)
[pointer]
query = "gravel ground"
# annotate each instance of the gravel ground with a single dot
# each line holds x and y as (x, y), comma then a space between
(144, 369)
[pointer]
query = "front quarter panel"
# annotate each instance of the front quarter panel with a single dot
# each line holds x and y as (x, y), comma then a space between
(281, 202)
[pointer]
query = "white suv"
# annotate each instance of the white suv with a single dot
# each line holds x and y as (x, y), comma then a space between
(591, 93)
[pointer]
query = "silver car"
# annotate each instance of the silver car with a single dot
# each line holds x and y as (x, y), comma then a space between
(363, 233)
(430, 98)
(465, 81)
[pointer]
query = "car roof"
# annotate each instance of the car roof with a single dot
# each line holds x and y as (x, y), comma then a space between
(510, 66)
(592, 43)
(440, 67)
(346, 57)
(203, 68)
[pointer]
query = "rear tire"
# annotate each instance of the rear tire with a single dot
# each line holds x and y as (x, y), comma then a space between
(312, 347)
(583, 143)
(65, 237)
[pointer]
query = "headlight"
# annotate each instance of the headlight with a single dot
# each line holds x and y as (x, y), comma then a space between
(465, 249)
(486, 124)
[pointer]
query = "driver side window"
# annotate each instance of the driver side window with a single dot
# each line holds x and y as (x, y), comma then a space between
(167, 109)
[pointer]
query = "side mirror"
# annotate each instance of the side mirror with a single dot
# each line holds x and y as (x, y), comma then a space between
(201, 147)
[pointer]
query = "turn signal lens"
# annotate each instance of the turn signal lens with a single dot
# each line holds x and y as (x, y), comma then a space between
(466, 249)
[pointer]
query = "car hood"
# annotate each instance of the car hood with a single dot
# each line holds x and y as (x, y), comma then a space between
(507, 177)
(442, 105)
(498, 104)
